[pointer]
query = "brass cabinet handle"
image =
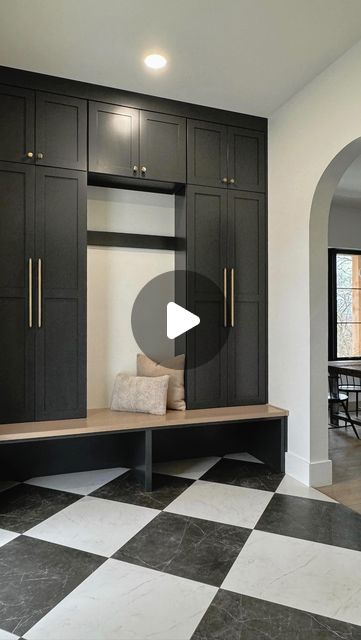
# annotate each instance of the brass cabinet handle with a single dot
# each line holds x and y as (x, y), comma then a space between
(135, 169)
(225, 180)
(231, 181)
(225, 297)
(29, 154)
(232, 297)
(30, 298)
(39, 156)
(144, 170)
(40, 286)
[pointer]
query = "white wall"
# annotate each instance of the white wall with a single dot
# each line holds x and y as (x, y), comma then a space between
(344, 227)
(310, 137)
(115, 277)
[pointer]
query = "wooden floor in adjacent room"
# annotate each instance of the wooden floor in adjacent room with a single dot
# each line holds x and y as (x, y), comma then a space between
(345, 453)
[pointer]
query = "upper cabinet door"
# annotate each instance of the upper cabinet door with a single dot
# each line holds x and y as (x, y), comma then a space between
(60, 131)
(246, 160)
(17, 115)
(162, 147)
(206, 154)
(113, 139)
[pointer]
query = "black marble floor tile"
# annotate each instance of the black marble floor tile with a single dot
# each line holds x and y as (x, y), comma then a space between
(127, 488)
(187, 547)
(244, 474)
(25, 505)
(34, 577)
(315, 520)
(237, 617)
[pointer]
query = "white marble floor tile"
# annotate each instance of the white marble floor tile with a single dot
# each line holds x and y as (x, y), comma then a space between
(94, 524)
(222, 503)
(5, 635)
(243, 456)
(6, 536)
(82, 483)
(120, 601)
(291, 487)
(193, 468)
(306, 575)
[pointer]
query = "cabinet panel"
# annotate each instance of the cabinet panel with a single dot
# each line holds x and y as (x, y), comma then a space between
(17, 121)
(163, 146)
(113, 139)
(206, 154)
(206, 258)
(247, 339)
(246, 159)
(61, 339)
(60, 131)
(16, 335)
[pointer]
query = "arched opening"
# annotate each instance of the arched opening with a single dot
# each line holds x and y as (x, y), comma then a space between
(318, 271)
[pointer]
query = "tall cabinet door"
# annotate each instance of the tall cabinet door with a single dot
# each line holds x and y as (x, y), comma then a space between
(17, 121)
(206, 259)
(246, 160)
(247, 338)
(113, 139)
(206, 154)
(60, 131)
(16, 308)
(60, 295)
(162, 147)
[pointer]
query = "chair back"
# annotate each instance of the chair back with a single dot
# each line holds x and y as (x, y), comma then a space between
(333, 385)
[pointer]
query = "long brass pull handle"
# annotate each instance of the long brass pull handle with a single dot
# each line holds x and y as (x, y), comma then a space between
(224, 297)
(30, 298)
(232, 297)
(40, 286)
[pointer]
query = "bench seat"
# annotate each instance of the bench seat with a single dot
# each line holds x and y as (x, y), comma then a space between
(197, 426)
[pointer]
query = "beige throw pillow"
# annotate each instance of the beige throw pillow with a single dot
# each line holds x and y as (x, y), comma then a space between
(144, 395)
(174, 368)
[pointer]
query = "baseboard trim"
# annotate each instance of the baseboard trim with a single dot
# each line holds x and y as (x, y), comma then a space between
(313, 474)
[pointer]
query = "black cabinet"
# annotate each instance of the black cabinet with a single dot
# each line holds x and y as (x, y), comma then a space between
(246, 260)
(60, 250)
(42, 128)
(42, 293)
(206, 154)
(17, 337)
(162, 147)
(113, 139)
(139, 144)
(227, 157)
(60, 131)
(17, 122)
(206, 256)
(226, 242)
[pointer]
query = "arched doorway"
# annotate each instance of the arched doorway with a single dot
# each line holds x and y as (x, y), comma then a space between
(318, 234)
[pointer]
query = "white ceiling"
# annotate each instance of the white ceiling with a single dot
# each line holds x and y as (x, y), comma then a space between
(243, 55)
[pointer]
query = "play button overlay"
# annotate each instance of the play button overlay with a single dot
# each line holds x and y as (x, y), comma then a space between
(179, 320)
(167, 322)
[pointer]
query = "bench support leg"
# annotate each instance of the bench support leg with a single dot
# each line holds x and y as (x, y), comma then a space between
(143, 460)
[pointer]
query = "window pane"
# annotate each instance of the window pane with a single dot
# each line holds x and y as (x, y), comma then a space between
(348, 340)
(344, 305)
(344, 270)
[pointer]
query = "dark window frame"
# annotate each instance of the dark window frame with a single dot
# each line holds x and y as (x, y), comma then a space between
(332, 303)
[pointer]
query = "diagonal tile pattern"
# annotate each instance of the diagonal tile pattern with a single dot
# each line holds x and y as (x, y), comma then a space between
(222, 549)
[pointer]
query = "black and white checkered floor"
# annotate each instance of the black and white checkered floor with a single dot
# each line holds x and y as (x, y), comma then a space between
(222, 549)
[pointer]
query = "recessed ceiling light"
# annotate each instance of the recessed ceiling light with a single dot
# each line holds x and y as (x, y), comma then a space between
(155, 61)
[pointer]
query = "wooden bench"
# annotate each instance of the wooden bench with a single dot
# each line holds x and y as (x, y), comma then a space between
(259, 429)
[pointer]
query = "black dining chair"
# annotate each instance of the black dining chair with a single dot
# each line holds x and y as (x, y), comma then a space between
(336, 398)
(350, 384)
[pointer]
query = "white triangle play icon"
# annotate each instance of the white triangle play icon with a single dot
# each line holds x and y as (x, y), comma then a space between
(179, 320)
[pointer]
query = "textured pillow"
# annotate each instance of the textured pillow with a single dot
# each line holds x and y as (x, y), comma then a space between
(144, 395)
(174, 368)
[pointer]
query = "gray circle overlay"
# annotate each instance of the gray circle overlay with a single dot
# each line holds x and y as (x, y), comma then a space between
(149, 318)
